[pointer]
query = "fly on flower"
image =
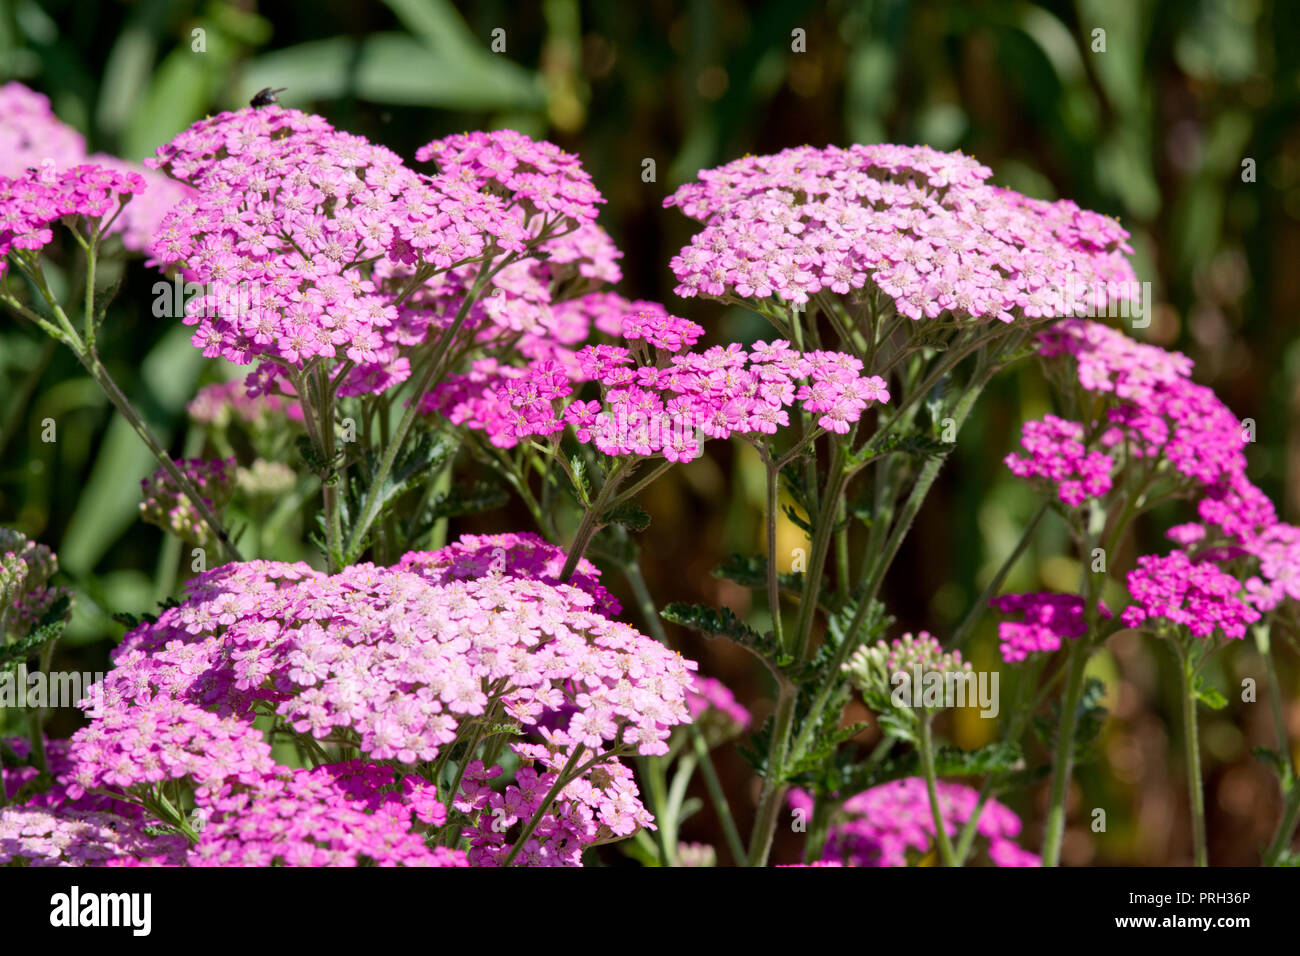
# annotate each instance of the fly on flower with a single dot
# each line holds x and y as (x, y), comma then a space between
(266, 97)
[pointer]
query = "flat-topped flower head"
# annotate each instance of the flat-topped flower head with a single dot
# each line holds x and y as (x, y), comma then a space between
(1175, 589)
(1055, 455)
(32, 203)
(660, 406)
(297, 215)
(922, 226)
(1141, 410)
(387, 659)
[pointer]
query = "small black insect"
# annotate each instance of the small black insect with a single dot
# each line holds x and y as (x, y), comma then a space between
(265, 97)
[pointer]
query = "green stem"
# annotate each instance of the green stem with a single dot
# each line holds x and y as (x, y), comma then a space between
(932, 789)
(1192, 749)
(1286, 826)
(1063, 758)
(570, 772)
(718, 796)
(773, 791)
(773, 575)
(591, 522)
(437, 363)
(712, 783)
(1290, 783)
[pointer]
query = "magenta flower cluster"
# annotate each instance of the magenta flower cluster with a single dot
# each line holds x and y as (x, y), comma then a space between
(396, 665)
(294, 214)
(32, 203)
(1056, 454)
(892, 825)
(32, 137)
(345, 814)
(1198, 595)
(1044, 620)
(1239, 560)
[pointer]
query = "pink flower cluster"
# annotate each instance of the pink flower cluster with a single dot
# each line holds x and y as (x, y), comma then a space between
(1154, 407)
(513, 555)
(658, 408)
(32, 136)
(1198, 595)
(1055, 453)
(599, 807)
(166, 505)
(1278, 553)
(714, 707)
(220, 403)
(1154, 410)
(1045, 620)
(32, 835)
(541, 178)
(395, 663)
(920, 225)
(893, 820)
(31, 203)
(348, 814)
(56, 797)
(303, 215)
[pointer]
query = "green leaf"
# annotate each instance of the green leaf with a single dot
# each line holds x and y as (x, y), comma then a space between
(1208, 696)
(581, 480)
(998, 757)
(628, 514)
(724, 623)
(750, 571)
(825, 744)
(1089, 719)
(50, 626)
(1281, 764)
(478, 497)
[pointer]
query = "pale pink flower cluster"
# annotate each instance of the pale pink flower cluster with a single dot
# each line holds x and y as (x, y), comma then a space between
(920, 225)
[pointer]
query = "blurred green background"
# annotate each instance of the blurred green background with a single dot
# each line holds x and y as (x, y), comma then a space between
(1149, 120)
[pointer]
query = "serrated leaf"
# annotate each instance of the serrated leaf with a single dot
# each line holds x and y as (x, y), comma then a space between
(50, 626)
(478, 497)
(998, 757)
(750, 571)
(724, 623)
(628, 514)
(1208, 696)
(581, 480)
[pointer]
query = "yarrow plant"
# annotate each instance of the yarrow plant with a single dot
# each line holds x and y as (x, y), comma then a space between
(391, 347)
